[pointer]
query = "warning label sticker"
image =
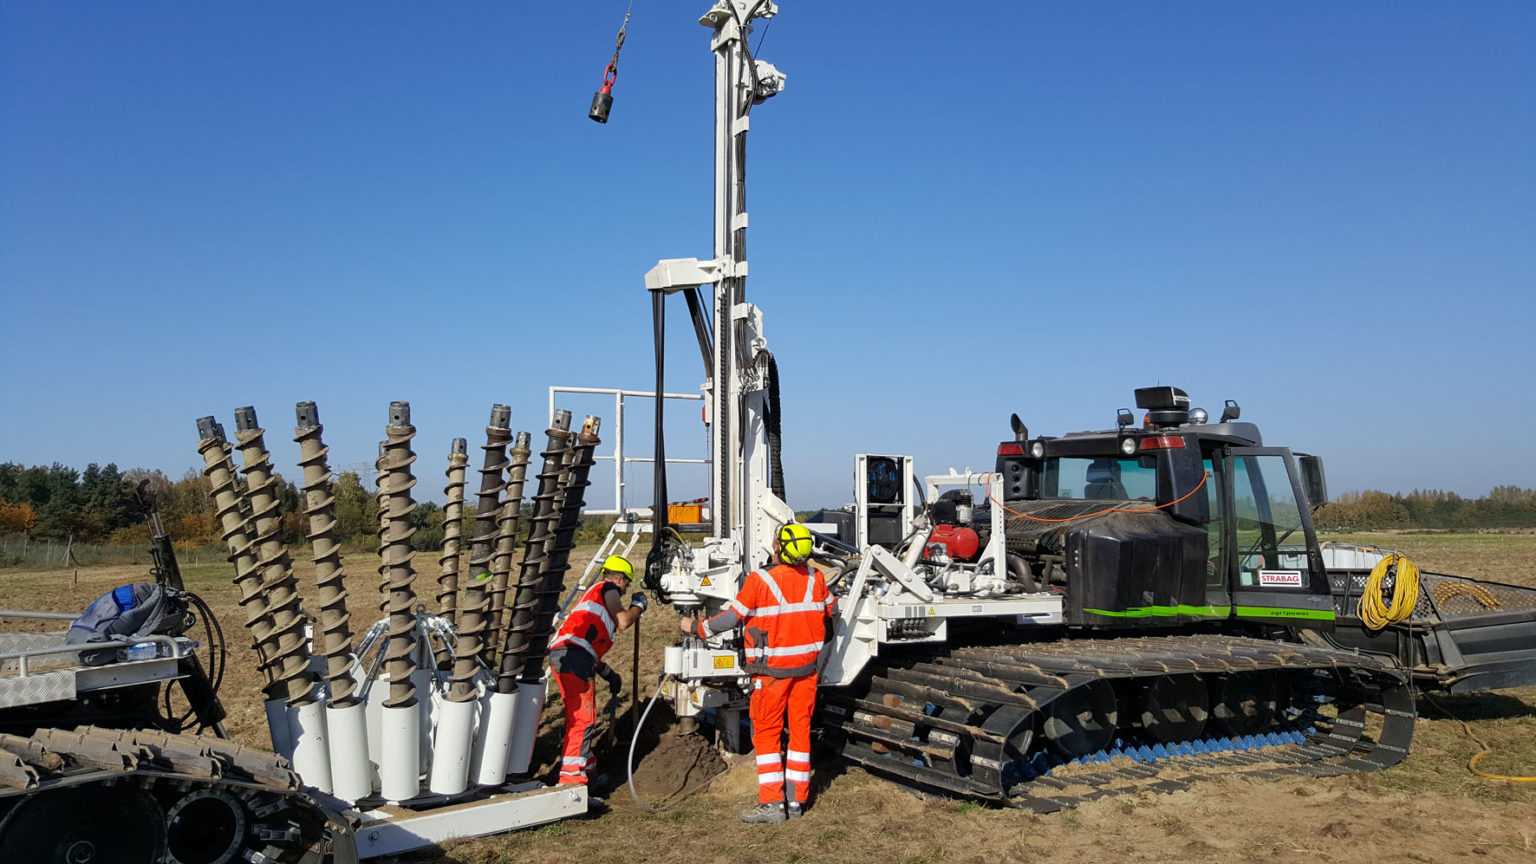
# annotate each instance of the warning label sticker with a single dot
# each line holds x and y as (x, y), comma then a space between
(1280, 578)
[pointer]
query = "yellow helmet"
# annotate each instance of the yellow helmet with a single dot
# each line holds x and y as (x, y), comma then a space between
(619, 564)
(793, 542)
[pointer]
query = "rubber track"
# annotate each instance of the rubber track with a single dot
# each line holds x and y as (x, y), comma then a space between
(984, 697)
(288, 824)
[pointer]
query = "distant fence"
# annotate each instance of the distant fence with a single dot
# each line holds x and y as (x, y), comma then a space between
(18, 550)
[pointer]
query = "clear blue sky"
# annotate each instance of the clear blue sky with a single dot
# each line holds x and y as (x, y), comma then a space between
(1326, 211)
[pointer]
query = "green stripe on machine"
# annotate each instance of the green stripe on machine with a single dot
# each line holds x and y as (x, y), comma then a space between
(1163, 611)
(1284, 612)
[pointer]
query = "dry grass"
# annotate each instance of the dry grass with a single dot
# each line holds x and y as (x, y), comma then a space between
(1428, 809)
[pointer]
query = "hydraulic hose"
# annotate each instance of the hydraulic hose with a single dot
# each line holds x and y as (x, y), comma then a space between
(629, 763)
(1374, 611)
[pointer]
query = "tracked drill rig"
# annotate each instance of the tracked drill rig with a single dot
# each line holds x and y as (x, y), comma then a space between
(1098, 607)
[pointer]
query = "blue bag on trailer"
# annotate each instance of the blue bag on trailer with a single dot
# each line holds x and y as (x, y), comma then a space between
(127, 613)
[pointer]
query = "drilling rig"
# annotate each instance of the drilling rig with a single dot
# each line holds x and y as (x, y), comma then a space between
(1097, 605)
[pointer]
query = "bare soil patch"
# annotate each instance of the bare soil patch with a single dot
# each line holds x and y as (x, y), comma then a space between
(1429, 809)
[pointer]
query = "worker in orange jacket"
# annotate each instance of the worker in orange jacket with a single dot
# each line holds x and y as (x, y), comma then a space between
(784, 613)
(576, 658)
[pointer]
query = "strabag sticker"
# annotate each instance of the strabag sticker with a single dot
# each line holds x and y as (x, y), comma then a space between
(1280, 578)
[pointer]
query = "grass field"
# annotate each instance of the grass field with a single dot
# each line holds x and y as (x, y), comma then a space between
(1428, 809)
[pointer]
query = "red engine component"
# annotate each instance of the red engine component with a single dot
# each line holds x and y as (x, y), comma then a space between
(961, 542)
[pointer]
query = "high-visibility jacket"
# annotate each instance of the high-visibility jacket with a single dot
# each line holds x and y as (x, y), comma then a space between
(783, 613)
(589, 625)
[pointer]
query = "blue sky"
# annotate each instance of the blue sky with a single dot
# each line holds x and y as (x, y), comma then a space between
(1325, 211)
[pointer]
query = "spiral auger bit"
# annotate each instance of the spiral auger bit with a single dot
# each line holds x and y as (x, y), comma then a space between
(536, 548)
(395, 554)
(285, 644)
(573, 482)
(453, 532)
(235, 530)
(506, 545)
(334, 622)
(473, 604)
(501, 556)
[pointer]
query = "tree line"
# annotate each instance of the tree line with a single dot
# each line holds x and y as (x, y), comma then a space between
(108, 505)
(1504, 507)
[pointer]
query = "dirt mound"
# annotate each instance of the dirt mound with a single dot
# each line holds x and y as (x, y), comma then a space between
(680, 763)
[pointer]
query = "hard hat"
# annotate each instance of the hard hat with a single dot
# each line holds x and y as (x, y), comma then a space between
(793, 542)
(619, 564)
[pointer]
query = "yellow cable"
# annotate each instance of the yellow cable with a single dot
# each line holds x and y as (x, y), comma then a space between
(1484, 751)
(1472, 765)
(1373, 610)
(1448, 590)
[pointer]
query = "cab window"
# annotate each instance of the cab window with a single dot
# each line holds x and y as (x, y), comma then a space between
(1100, 478)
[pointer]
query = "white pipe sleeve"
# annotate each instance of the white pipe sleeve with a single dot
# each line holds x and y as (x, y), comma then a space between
(490, 756)
(376, 696)
(347, 737)
(277, 727)
(311, 756)
(400, 770)
(530, 704)
(453, 741)
(422, 679)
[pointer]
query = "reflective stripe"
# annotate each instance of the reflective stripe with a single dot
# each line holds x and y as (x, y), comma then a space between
(810, 587)
(774, 777)
(739, 607)
(768, 759)
(574, 760)
(786, 651)
(600, 611)
(774, 587)
(573, 640)
(796, 754)
(802, 776)
(786, 608)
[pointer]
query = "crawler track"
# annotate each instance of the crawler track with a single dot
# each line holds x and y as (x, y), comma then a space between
(1047, 726)
(100, 795)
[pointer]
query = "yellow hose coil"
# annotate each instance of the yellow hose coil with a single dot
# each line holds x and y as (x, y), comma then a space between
(1373, 609)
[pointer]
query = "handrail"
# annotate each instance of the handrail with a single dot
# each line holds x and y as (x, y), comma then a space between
(44, 616)
(21, 657)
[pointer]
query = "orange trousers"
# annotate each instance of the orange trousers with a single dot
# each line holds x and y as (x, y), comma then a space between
(772, 700)
(579, 701)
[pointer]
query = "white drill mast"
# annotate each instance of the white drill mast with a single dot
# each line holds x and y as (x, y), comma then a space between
(745, 511)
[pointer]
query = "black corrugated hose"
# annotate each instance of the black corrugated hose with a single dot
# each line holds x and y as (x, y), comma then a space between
(655, 560)
(775, 438)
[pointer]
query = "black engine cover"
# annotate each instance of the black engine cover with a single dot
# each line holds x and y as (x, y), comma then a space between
(1135, 570)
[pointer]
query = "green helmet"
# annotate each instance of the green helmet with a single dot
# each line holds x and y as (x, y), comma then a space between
(793, 543)
(619, 564)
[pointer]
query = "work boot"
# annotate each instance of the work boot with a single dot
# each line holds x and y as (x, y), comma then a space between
(764, 813)
(794, 810)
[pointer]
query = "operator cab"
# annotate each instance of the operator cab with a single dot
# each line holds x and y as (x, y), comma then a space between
(1174, 520)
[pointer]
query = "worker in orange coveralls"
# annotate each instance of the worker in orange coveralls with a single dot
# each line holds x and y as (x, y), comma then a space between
(784, 613)
(576, 658)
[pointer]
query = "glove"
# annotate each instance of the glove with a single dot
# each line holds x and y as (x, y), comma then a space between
(639, 602)
(613, 679)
